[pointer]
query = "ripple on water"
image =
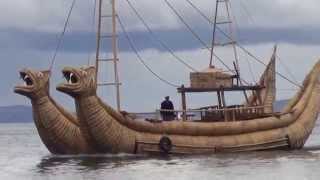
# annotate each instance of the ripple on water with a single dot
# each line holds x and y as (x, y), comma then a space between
(22, 156)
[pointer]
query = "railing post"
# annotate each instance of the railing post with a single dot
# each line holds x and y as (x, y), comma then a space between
(184, 103)
(158, 116)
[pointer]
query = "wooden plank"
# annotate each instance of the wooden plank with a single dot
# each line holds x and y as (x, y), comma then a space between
(219, 99)
(184, 105)
(235, 88)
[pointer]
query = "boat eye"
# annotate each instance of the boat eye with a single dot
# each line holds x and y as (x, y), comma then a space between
(27, 80)
(73, 78)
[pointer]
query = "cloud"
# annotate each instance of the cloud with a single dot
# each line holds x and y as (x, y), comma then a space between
(40, 15)
(29, 29)
(45, 15)
(141, 91)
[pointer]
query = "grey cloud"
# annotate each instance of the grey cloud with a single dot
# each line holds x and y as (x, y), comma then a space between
(176, 39)
(47, 15)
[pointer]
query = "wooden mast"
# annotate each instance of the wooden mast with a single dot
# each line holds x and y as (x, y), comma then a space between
(114, 41)
(232, 42)
(98, 39)
(115, 53)
(214, 34)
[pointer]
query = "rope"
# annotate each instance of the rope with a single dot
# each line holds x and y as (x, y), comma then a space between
(202, 42)
(287, 69)
(250, 17)
(261, 62)
(251, 70)
(139, 56)
(62, 35)
(164, 45)
(241, 47)
(195, 34)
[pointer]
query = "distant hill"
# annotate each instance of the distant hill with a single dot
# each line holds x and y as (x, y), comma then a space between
(13, 114)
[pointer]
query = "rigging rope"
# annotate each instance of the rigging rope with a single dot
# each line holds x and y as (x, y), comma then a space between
(140, 57)
(238, 32)
(195, 34)
(162, 43)
(62, 35)
(287, 69)
(251, 70)
(200, 40)
(251, 18)
(240, 46)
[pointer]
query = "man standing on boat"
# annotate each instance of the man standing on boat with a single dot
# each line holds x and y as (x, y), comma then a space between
(167, 110)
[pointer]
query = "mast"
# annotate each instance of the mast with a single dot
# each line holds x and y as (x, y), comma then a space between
(231, 39)
(228, 22)
(214, 33)
(113, 37)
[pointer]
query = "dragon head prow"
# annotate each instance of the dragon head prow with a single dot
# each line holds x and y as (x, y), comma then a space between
(79, 81)
(35, 83)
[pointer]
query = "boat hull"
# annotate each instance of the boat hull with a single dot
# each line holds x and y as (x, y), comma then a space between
(114, 133)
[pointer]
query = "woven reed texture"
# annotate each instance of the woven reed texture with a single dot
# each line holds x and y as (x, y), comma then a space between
(115, 134)
(268, 94)
(57, 128)
(210, 79)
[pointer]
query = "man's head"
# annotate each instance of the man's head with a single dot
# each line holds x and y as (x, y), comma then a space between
(35, 83)
(167, 98)
(79, 81)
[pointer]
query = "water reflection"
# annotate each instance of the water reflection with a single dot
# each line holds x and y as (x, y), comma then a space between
(93, 162)
(24, 157)
(51, 164)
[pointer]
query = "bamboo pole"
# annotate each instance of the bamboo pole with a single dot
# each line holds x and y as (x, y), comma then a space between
(115, 53)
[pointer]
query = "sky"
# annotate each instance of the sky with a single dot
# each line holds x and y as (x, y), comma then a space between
(29, 31)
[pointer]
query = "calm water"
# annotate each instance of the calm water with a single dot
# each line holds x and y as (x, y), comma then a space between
(22, 156)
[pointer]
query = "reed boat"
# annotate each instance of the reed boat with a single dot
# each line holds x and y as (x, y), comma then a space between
(250, 125)
(58, 129)
(114, 134)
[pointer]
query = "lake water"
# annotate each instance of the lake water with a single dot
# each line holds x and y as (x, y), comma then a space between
(22, 156)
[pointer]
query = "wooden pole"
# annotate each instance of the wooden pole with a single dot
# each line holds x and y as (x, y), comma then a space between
(184, 103)
(232, 36)
(219, 99)
(98, 40)
(259, 97)
(115, 53)
(225, 112)
(214, 34)
(223, 99)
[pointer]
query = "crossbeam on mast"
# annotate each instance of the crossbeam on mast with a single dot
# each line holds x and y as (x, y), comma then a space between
(114, 41)
(228, 22)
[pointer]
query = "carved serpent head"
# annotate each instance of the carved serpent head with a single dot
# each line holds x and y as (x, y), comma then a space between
(35, 83)
(79, 81)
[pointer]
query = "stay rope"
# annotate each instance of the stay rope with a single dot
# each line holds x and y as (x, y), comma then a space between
(240, 46)
(60, 39)
(140, 57)
(195, 34)
(162, 43)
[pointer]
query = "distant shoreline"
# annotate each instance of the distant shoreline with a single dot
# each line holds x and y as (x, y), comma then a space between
(16, 122)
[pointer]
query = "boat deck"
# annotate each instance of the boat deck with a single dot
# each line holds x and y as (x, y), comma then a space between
(210, 114)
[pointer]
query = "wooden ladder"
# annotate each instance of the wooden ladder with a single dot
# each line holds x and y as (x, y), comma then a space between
(107, 13)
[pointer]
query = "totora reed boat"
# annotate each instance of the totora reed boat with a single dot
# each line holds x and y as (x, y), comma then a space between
(251, 125)
(114, 133)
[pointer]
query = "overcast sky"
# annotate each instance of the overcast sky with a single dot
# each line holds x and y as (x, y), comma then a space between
(29, 30)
